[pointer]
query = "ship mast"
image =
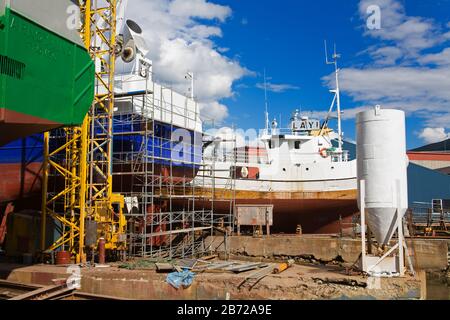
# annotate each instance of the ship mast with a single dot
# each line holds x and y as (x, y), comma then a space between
(266, 103)
(190, 76)
(337, 93)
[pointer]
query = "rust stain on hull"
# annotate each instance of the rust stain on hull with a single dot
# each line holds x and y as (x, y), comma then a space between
(278, 195)
(317, 212)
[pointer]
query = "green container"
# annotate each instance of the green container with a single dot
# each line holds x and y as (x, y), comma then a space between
(46, 75)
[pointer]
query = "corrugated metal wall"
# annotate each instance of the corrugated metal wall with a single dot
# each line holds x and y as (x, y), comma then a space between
(424, 184)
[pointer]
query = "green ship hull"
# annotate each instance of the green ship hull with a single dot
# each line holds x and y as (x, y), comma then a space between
(46, 75)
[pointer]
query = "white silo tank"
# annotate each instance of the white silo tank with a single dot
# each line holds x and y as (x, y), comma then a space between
(382, 164)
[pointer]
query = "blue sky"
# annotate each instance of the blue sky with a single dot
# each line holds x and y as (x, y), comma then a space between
(228, 44)
(286, 37)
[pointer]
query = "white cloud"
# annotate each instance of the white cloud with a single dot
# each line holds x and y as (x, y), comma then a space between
(278, 88)
(347, 114)
(411, 34)
(402, 74)
(213, 112)
(404, 85)
(199, 9)
(441, 58)
(179, 42)
(432, 135)
(386, 55)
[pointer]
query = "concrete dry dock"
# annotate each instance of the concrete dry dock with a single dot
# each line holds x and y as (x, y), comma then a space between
(427, 254)
(326, 278)
(298, 282)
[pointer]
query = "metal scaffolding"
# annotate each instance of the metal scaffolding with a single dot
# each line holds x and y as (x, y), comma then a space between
(141, 152)
(77, 169)
(158, 166)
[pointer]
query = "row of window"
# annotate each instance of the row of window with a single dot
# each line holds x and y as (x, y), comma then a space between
(297, 144)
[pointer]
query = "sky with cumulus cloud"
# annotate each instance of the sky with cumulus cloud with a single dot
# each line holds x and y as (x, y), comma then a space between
(229, 43)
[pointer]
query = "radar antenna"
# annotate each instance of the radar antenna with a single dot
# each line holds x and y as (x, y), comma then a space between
(337, 95)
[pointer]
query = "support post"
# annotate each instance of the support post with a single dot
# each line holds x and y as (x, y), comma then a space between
(44, 192)
(401, 252)
(362, 192)
(401, 239)
(81, 256)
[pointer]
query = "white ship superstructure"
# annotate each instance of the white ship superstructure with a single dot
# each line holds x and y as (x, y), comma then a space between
(301, 158)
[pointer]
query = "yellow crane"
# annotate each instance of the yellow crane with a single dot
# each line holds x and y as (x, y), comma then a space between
(77, 174)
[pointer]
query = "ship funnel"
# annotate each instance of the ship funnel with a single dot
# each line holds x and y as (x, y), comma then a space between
(131, 42)
(382, 169)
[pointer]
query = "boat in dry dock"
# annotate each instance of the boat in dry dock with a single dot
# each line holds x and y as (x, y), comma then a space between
(310, 182)
(303, 171)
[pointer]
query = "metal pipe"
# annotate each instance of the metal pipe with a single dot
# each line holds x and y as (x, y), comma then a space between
(283, 266)
(101, 251)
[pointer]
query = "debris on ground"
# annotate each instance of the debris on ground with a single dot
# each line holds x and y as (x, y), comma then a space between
(283, 266)
(186, 263)
(253, 279)
(181, 279)
(224, 266)
(341, 281)
(163, 267)
(140, 264)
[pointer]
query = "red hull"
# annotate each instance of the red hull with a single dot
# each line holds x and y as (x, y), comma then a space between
(314, 216)
(20, 181)
(15, 125)
(124, 182)
(316, 212)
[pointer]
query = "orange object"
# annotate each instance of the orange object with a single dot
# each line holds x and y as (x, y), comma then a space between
(280, 268)
(283, 267)
(63, 258)
(324, 152)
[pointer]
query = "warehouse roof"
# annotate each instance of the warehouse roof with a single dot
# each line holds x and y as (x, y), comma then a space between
(443, 146)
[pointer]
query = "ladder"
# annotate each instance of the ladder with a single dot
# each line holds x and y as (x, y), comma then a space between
(438, 207)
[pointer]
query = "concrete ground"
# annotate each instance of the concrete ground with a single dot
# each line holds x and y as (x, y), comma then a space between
(300, 282)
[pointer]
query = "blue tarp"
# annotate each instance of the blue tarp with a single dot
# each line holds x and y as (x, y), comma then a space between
(178, 279)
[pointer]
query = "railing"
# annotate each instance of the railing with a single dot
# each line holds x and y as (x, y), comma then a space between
(424, 220)
(424, 215)
(244, 157)
(290, 132)
(153, 108)
(239, 157)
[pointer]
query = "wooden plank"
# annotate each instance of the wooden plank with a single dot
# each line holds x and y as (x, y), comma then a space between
(164, 267)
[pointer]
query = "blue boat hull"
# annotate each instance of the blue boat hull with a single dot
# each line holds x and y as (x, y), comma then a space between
(21, 161)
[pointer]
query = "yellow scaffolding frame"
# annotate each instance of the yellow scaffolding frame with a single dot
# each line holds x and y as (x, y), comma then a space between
(86, 168)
